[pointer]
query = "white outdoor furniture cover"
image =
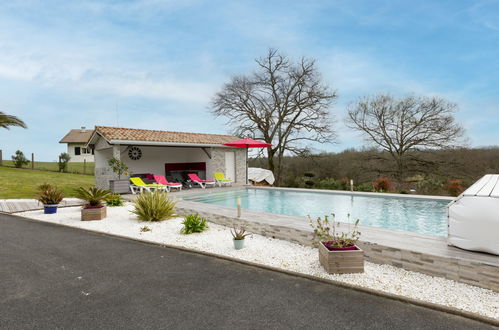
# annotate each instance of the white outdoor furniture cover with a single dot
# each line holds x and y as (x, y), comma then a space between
(474, 217)
(260, 174)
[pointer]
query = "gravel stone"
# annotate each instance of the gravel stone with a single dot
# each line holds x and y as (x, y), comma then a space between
(285, 255)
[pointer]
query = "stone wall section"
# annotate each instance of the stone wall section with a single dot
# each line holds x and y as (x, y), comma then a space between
(217, 162)
(241, 165)
(469, 272)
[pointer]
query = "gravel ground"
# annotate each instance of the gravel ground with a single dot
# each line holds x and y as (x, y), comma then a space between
(298, 258)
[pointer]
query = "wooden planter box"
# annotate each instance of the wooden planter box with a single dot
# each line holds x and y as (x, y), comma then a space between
(119, 186)
(341, 262)
(97, 213)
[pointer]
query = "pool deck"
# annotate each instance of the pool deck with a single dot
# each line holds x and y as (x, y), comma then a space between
(393, 238)
(412, 251)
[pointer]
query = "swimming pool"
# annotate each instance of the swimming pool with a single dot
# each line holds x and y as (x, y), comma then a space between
(424, 216)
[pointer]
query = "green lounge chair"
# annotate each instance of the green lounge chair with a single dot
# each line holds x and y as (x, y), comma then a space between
(221, 179)
(138, 185)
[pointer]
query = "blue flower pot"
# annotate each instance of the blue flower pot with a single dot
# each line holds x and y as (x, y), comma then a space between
(50, 209)
(238, 244)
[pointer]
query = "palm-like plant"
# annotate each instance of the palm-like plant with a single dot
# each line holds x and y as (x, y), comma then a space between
(7, 120)
(93, 195)
(155, 206)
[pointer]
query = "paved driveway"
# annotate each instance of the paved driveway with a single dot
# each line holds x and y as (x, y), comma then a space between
(56, 277)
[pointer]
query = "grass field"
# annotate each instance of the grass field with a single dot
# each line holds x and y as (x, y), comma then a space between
(22, 183)
(53, 166)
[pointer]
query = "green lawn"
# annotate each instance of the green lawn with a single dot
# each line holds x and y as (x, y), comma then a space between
(53, 166)
(22, 183)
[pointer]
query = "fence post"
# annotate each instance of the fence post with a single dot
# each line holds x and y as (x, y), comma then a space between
(32, 160)
(1, 162)
(84, 166)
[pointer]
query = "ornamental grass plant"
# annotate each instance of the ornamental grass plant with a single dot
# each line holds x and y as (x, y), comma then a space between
(49, 194)
(153, 206)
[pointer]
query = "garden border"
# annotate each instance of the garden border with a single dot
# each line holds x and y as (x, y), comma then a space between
(477, 273)
(421, 303)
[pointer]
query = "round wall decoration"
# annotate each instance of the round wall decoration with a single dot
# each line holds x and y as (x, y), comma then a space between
(135, 153)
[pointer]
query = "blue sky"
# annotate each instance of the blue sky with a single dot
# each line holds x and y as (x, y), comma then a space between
(156, 64)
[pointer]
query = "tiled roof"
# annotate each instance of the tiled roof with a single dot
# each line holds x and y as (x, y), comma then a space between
(132, 134)
(77, 136)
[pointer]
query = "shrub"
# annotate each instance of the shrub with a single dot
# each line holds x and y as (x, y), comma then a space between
(344, 183)
(308, 174)
(64, 158)
(309, 183)
(155, 206)
(193, 223)
(114, 200)
(93, 195)
(19, 159)
(326, 231)
(329, 183)
(49, 195)
(365, 187)
(429, 186)
(382, 184)
(454, 187)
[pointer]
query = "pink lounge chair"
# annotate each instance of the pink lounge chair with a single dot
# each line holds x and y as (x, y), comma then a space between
(162, 180)
(203, 183)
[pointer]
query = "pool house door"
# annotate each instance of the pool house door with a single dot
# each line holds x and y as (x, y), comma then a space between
(230, 165)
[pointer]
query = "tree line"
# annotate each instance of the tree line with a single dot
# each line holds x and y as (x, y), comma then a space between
(441, 170)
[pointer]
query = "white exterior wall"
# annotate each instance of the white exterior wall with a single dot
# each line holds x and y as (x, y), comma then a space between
(154, 158)
(81, 157)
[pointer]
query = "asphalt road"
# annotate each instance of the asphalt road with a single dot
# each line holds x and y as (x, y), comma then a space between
(55, 277)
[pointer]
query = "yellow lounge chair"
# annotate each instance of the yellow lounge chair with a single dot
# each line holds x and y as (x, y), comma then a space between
(138, 185)
(221, 179)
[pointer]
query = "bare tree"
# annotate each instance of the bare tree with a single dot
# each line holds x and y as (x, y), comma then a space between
(400, 126)
(283, 103)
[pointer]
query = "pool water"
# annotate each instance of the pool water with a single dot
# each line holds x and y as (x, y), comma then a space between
(424, 216)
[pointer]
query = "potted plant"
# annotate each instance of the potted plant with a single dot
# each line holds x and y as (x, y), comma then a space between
(238, 237)
(50, 197)
(120, 168)
(338, 252)
(94, 208)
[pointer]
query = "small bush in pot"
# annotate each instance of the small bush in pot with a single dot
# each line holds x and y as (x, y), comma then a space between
(238, 236)
(193, 223)
(155, 206)
(94, 209)
(50, 197)
(338, 252)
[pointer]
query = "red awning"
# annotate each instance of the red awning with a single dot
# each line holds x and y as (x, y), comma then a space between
(247, 143)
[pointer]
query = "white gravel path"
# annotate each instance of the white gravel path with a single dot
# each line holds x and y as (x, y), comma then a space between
(298, 258)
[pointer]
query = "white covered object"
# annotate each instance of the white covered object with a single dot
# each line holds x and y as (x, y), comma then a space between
(260, 174)
(474, 217)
